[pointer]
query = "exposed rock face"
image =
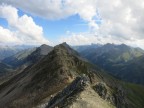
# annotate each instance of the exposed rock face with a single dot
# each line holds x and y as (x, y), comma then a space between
(67, 96)
(120, 99)
(117, 97)
(101, 89)
(79, 94)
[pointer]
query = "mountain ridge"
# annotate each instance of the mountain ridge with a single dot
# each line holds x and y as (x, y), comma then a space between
(49, 76)
(117, 60)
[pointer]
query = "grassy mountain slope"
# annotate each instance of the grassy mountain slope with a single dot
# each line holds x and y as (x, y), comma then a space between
(135, 94)
(113, 53)
(131, 71)
(52, 74)
(119, 60)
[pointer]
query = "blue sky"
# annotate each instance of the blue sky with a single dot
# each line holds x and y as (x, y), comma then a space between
(53, 29)
(75, 22)
(3, 22)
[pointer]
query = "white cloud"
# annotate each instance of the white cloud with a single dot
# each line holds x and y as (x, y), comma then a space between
(56, 9)
(122, 20)
(88, 38)
(7, 36)
(21, 29)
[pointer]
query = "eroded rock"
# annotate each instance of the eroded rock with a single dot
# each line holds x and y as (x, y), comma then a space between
(68, 95)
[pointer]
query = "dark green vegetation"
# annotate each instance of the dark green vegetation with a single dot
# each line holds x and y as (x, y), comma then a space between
(135, 94)
(132, 71)
(120, 60)
(57, 69)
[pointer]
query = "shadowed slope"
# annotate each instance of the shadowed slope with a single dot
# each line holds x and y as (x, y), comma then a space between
(52, 74)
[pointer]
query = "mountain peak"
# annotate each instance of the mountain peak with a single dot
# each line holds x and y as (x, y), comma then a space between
(44, 49)
(124, 46)
(67, 48)
(108, 44)
(64, 43)
(43, 45)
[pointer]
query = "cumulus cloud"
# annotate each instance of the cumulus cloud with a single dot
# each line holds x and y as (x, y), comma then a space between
(56, 9)
(118, 21)
(122, 16)
(7, 36)
(122, 22)
(21, 29)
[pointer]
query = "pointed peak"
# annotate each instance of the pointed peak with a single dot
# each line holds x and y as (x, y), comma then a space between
(123, 45)
(44, 45)
(64, 44)
(67, 48)
(43, 49)
(109, 44)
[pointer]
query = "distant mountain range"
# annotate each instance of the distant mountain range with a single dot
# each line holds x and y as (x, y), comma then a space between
(6, 51)
(28, 56)
(61, 78)
(82, 48)
(121, 61)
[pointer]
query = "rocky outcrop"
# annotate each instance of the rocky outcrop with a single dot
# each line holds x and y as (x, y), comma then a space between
(116, 97)
(120, 99)
(101, 89)
(68, 95)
